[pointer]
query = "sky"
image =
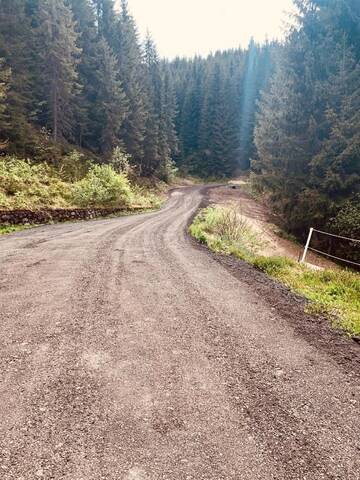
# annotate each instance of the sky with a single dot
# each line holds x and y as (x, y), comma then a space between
(190, 27)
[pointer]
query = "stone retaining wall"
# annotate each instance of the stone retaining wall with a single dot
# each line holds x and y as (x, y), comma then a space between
(28, 217)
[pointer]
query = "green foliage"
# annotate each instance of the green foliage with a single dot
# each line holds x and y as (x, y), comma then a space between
(307, 131)
(31, 186)
(273, 266)
(102, 187)
(25, 185)
(225, 230)
(347, 220)
(5, 76)
(121, 161)
(79, 81)
(335, 293)
(73, 166)
(57, 61)
(145, 198)
(217, 99)
(6, 229)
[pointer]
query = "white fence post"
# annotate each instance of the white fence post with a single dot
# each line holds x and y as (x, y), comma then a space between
(307, 246)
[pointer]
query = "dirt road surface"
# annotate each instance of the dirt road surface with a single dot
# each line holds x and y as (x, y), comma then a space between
(129, 353)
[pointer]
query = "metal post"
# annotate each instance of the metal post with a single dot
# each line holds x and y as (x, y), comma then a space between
(307, 246)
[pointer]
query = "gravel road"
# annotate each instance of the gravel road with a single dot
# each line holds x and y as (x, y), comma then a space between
(128, 353)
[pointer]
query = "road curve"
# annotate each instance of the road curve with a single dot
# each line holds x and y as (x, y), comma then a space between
(129, 354)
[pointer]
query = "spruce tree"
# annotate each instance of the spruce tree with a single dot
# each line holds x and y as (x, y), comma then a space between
(128, 52)
(109, 106)
(306, 135)
(102, 105)
(5, 75)
(58, 60)
(190, 114)
(17, 48)
(170, 109)
(152, 153)
(88, 39)
(106, 20)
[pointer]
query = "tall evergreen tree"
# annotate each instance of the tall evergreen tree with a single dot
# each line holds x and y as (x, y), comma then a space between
(306, 135)
(5, 74)
(59, 59)
(169, 112)
(190, 114)
(106, 19)
(17, 48)
(130, 58)
(109, 107)
(152, 153)
(102, 106)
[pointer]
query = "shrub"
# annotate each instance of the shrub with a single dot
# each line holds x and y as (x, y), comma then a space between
(145, 198)
(347, 220)
(32, 186)
(121, 162)
(73, 166)
(227, 225)
(167, 171)
(102, 187)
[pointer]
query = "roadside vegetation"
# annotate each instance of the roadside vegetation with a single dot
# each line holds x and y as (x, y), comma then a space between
(335, 293)
(74, 183)
(5, 229)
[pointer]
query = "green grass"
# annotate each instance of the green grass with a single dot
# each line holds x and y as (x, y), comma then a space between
(6, 229)
(334, 293)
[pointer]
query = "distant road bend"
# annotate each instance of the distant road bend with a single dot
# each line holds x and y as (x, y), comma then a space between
(127, 352)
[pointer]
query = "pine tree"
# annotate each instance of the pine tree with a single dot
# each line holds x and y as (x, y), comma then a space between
(225, 141)
(307, 130)
(336, 169)
(167, 134)
(170, 109)
(190, 114)
(5, 75)
(88, 39)
(17, 48)
(102, 105)
(152, 153)
(109, 107)
(59, 57)
(129, 55)
(105, 16)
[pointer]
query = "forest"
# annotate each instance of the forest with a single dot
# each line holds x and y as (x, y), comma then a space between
(77, 82)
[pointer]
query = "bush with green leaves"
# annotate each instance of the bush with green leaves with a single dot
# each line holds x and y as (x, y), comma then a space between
(31, 186)
(121, 162)
(27, 185)
(74, 166)
(102, 187)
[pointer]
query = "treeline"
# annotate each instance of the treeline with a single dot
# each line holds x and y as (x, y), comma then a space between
(73, 73)
(308, 130)
(217, 101)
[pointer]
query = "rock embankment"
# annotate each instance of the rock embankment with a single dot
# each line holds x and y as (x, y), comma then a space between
(29, 217)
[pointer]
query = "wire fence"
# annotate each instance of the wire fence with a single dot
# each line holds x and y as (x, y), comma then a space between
(327, 254)
(337, 236)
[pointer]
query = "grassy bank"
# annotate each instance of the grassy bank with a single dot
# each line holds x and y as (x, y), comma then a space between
(335, 293)
(75, 183)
